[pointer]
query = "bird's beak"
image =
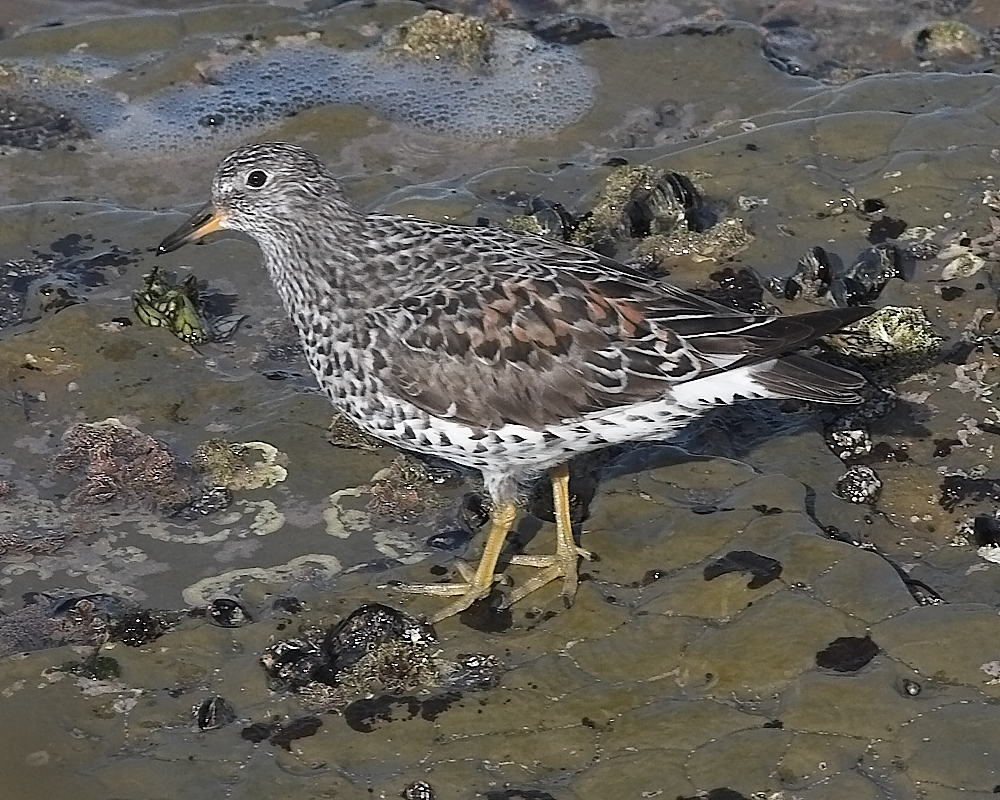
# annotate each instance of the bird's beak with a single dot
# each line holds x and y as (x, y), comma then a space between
(205, 220)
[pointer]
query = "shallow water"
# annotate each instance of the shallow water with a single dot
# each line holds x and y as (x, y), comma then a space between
(658, 681)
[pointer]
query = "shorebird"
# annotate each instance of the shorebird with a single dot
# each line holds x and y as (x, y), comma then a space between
(503, 352)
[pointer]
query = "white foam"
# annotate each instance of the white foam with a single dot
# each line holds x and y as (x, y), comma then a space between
(528, 88)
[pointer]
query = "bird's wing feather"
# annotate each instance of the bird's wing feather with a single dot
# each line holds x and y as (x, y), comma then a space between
(567, 335)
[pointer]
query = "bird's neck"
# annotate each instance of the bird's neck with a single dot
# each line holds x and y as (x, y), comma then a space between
(319, 266)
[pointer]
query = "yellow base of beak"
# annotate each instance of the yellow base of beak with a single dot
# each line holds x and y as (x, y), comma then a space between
(204, 221)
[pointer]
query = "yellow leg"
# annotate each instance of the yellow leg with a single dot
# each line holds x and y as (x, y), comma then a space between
(562, 563)
(479, 584)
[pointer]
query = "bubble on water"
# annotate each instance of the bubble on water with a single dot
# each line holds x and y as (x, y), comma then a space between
(527, 88)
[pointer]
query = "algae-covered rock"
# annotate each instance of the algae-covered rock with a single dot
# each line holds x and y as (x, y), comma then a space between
(240, 466)
(436, 36)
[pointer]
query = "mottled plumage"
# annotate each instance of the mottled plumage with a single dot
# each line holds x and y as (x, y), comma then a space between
(503, 352)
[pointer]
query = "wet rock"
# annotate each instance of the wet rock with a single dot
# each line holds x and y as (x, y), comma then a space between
(29, 539)
(257, 732)
(48, 282)
(821, 274)
(94, 667)
(967, 255)
(790, 47)
(876, 402)
(292, 664)
(948, 40)
(282, 735)
(568, 30)
(957, 490)
(298, 728)
(886, 452)
(402, 491)
(374, 649)
(33, 125)
(864, 279)
(847, 654)
(344, 432)
(943, 446)
(811, 278)
(922, 593)
(986, 531)
(719, 242)
(210, 501)
(544, 218)
(860, 484)
(740, 289)
(288, 605)
(435, 35)
(664, 123)
(369, 629)
(418, 790)
(368, 714)
(213, 713)
(986, 537)
(895, 341)
(923, 251)
(488, 615)
(452, 539)
(762, 569)
(919, 591)
(946, 8)
(228, 613)
(54, 619)
(138, 628)
(720, 792)
(886, 228)
(120, 465)
(637, 202)
(460, 523)
(51, 295)
(848, 440)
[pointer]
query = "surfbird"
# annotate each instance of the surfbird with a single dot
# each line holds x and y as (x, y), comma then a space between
(503, 352)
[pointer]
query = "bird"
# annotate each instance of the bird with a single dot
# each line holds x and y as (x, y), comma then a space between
(504, 352)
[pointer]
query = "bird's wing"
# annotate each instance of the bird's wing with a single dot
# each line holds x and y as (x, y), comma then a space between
(564, 337)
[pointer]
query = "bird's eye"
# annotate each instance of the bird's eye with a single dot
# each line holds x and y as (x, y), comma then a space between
(256, 178)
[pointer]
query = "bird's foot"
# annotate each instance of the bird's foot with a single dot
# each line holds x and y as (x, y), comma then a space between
(561, 564)
(469, 590)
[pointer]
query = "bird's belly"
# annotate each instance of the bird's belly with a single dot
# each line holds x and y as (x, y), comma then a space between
(511, 448)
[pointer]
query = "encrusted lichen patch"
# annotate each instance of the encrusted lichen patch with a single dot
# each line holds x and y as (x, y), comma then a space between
(118, 463)
(402, 491)
(720, 242)
(375, 650)
(897, 341)
(950, 40)
(632, 195)
(435, 36)
(240, 466)
(660, 215)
